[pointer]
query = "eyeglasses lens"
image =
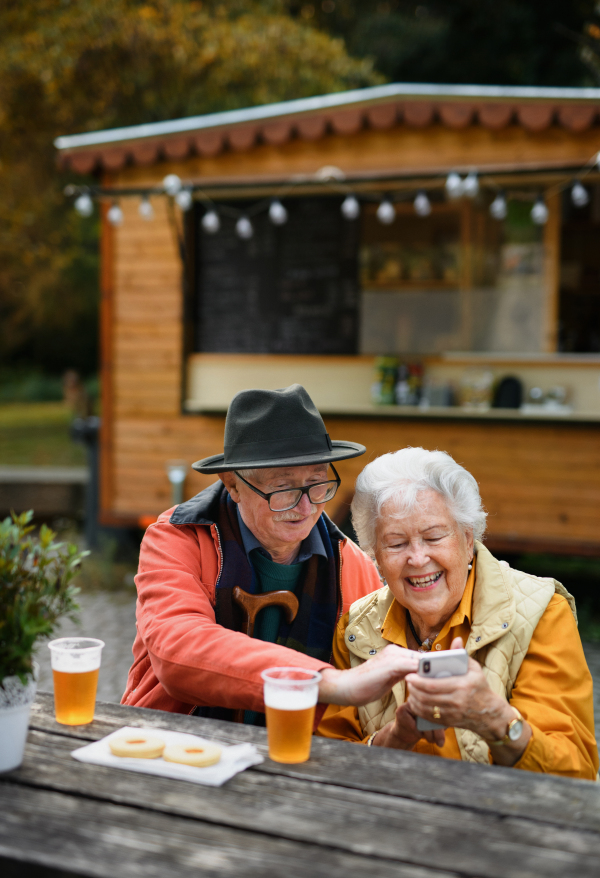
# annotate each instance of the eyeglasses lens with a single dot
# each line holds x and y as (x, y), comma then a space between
(283, 500)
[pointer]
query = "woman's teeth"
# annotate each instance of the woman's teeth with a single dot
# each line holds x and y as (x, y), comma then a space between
(423, 581)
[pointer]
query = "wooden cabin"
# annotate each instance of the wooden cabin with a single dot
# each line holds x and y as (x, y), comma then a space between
(464, 297)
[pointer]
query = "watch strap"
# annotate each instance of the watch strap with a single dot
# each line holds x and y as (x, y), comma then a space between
(507, 739)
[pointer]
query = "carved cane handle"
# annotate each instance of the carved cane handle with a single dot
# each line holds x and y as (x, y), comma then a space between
(252, 604)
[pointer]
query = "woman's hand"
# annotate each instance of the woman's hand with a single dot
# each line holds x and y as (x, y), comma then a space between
(467, 702)
(370, 680)
(402, 733)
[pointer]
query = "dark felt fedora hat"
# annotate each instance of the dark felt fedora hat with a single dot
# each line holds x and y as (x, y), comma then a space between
(267, 428)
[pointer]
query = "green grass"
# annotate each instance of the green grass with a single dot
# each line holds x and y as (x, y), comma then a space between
(37, 434)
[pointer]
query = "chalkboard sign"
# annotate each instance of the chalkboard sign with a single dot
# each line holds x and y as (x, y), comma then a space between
(290, 289)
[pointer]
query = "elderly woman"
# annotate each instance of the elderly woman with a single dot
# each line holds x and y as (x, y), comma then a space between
(526, 700)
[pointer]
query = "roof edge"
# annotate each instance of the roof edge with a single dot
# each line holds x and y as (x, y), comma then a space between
(354, 98)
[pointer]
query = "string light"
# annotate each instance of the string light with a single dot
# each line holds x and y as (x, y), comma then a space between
(243, 228)
(470, 185)
(350, 207)
(171, 184)
(579, 195)
(184, 199)
(539, 212)
(386, 212)
(422, 204)
(277, 213)
(145, 210)
(115, 215)
(454, 186)
(211, 222)
(84, 205)
(499, 207)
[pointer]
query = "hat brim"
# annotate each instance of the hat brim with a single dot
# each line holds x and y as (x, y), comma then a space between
(339, 451)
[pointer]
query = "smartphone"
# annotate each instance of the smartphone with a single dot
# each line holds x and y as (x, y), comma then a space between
(446, 663)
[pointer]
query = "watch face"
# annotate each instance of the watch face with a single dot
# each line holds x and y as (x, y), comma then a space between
(515, 730)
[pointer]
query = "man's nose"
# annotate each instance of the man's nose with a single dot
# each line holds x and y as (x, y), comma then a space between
(304, 506)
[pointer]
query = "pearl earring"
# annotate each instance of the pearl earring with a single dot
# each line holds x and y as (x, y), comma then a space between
(470, 566)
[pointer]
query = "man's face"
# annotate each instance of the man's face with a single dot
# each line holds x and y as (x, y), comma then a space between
(275, 529)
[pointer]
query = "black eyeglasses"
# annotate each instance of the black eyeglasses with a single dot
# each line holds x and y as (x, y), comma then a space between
(281, 501)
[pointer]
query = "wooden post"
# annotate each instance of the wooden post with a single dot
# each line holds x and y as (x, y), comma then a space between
(106, 360)
(552, 271)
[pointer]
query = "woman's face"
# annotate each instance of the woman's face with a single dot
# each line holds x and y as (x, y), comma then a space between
(424, 557)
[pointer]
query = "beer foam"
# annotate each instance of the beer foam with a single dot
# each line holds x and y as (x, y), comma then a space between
(290, 699)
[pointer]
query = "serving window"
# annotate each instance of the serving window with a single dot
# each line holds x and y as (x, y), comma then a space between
(455, 280)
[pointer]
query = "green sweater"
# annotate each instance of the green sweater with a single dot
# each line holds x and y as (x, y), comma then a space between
(272, 577)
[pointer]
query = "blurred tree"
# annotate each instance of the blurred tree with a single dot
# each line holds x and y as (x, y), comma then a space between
(69, 66)
(496, 42)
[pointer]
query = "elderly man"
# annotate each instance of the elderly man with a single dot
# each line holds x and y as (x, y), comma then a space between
(260, 528)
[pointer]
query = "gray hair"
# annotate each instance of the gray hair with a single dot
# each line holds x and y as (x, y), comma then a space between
(401, 476)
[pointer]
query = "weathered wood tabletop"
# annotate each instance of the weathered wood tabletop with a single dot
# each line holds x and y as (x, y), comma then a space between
(350, 810)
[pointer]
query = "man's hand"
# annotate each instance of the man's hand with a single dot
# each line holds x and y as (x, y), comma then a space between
(402, 733)
(370, 680)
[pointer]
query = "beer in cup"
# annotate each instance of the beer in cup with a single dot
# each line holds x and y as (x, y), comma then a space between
(75, 665)
(291, 696)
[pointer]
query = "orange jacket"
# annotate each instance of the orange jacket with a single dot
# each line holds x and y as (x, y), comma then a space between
(181, 657)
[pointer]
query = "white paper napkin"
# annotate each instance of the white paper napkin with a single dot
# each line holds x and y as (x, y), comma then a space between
(234, 758)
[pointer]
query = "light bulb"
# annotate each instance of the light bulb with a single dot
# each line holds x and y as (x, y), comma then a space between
(84, 205)
(184, 199)
(244, 228)
(539, 212)
(350, 207)
(145, 210)
(470, 185)
(498, 207)
(277, 213)
(579, 194)
(422, 204)
(171, 184)
(454, 186)
(115, 215)
(211, 222)
(386, 212)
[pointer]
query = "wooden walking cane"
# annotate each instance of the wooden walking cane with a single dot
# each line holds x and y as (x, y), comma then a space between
(252, 604)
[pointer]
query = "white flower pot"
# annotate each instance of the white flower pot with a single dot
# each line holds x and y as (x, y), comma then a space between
(15, 702)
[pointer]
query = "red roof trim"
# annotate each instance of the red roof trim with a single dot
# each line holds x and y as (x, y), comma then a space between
(454, 114)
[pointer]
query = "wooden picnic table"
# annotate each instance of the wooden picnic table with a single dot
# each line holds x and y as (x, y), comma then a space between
(349, 811)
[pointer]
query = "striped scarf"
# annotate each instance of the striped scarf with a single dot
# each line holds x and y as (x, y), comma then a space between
(312, 630)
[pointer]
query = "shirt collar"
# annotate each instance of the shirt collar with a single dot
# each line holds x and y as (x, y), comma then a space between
(394, 626)
(312, 545)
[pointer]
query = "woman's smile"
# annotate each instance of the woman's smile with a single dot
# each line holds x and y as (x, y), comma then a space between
(425, 581)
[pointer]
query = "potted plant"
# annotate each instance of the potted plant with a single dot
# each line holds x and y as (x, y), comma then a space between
(35, 593)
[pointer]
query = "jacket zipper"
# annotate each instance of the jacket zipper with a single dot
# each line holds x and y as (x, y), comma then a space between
(220, 550)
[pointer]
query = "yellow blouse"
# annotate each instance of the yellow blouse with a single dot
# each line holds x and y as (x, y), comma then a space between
(553, 690)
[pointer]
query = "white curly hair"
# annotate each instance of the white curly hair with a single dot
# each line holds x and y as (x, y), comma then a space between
(401, 476)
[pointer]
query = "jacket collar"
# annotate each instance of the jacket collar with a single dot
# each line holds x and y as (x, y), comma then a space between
(203, 509)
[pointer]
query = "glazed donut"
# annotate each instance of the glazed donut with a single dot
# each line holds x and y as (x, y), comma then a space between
(137, 745)
(199, 755)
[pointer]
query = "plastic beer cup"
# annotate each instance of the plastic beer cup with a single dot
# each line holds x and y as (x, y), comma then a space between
(291, 695)
(75, 665)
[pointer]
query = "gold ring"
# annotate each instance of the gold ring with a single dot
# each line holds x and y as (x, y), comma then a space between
(436, 713)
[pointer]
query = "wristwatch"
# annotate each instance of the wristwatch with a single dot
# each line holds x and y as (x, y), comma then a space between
(513, 733)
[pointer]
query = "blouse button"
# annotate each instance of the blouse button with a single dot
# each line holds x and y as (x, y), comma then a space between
(352, 638)
(438, 646)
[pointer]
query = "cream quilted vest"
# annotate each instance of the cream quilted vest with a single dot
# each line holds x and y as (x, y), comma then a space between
(507, 606)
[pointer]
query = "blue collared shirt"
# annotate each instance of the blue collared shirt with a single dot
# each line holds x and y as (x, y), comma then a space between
(312, 545)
